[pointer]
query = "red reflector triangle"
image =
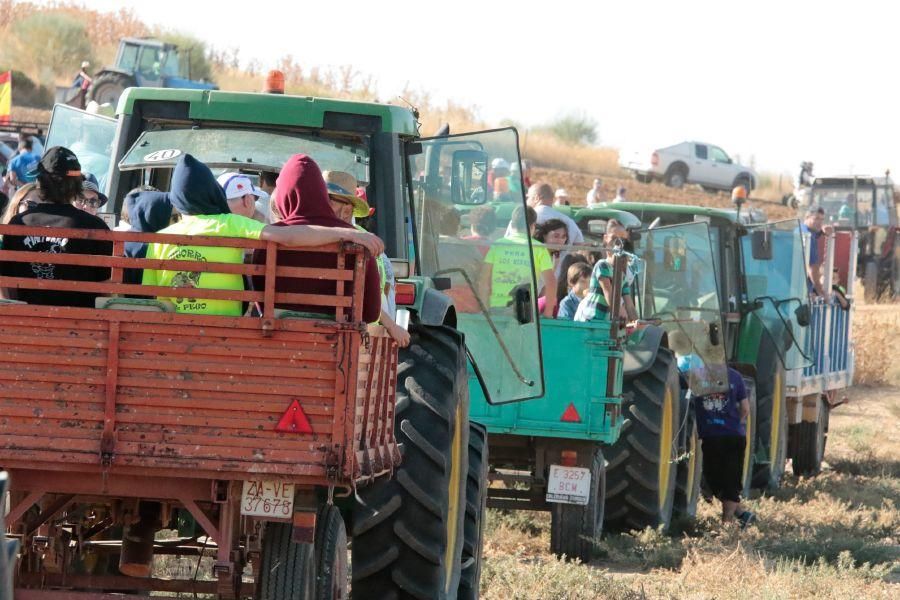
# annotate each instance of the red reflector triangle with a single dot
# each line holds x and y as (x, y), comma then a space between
(294, 420)
(570, 415)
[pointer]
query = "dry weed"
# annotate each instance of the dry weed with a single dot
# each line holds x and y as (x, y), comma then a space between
(875, 333)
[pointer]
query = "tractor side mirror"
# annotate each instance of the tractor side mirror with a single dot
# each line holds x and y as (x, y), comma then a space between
(468, 181)
(802, 315)
(675, 254)
(761, 245)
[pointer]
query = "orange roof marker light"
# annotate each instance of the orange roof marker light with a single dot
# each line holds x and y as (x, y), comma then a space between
(294, 420)
(274, 82)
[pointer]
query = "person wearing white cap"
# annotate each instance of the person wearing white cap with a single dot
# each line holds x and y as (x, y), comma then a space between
(241, 195)
(595, 194)
(561, 197)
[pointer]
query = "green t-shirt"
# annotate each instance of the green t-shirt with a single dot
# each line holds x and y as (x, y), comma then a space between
(229, 225)
(511, 266)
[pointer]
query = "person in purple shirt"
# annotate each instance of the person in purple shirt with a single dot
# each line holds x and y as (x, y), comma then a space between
(721, 425)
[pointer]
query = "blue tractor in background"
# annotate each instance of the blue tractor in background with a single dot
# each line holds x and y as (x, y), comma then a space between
(142, 62)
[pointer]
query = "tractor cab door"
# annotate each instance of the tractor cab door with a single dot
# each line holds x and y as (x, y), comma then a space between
(149, 70)
(677, 286)
(776, 283)
(492, 278)
(89, 136)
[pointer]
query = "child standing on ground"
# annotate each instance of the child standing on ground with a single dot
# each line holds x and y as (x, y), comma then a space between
(721, 425)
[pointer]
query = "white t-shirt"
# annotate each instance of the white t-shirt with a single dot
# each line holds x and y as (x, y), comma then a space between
(545, 213)
(593, 197)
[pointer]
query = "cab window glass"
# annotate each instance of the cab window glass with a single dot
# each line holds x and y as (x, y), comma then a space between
(701, 151)
(718, 155)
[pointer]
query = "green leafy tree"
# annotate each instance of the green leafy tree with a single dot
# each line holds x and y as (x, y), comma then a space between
(192, 54)
(47, 46)
(576, 128)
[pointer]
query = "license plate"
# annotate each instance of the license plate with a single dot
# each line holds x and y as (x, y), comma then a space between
(569, 485)
(267, 498)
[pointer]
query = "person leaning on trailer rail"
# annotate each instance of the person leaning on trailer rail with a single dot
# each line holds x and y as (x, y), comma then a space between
(60, 183)
(814, 224)
(201, 202)
(596, 304)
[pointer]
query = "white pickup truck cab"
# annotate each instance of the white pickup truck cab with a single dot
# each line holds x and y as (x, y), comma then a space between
(689, 162)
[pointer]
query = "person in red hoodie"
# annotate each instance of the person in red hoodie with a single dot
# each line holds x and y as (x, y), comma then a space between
(302, 199)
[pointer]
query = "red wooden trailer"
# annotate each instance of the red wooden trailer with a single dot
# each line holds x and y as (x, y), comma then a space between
(132, 416)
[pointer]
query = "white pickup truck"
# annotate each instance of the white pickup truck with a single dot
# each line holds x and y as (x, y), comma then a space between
(689, 162)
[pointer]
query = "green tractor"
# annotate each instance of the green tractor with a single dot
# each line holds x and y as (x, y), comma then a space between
(761, 286)
(611, 446)
(417, 534)
(143, 62)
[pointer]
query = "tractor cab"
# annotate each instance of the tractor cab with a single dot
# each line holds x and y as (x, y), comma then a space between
(143, 62)
(865, 205)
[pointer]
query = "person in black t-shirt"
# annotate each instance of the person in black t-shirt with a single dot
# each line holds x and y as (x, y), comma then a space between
(59, 184)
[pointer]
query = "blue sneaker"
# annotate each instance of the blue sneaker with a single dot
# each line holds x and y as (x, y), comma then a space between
(746, 518)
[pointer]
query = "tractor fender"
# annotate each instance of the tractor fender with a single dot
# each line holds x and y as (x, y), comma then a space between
(437, 309)
(124, 72)
(640, 351)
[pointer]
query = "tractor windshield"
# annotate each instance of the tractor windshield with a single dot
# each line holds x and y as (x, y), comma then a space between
(774, 266)
(222, 148)
(489, 272)
(678, 287)
(846, 205)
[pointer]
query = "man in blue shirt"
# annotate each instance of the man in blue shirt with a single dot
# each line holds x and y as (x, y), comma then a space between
(721, 426)
(22, 168)
(814, 224)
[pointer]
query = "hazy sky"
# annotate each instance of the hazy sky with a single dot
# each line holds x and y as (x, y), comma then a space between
(780, 81)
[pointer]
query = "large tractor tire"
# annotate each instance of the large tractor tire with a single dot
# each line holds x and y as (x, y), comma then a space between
(750, 446)
(808, 444)
(690, 470)
(108, 86)
(771, 428)
(870, 281)
(408, 531)
(640, 474)
(287, 569)
(476, 511)
(331, 555)
(574, 529)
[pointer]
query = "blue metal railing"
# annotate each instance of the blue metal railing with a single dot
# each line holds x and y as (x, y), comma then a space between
(828, 340)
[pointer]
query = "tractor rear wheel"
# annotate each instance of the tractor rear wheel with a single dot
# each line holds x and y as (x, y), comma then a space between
(690, 472)
(771, 428)
(808, 444)
(408, 532)
(575, 529)
(108, 86)
(870, 281)
(287, 569)
(640, 478)
(476, 511)
(750, 446)
(331, 554)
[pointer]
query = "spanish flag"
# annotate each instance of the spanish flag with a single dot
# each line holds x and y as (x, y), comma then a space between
(5, 96)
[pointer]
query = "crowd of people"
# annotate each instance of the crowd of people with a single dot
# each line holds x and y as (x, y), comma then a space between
(310, 210)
